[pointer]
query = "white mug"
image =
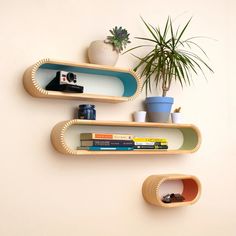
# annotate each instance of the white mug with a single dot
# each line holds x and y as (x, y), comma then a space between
(140, 116)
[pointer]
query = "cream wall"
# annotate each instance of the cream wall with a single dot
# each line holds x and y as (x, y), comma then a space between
(45, 193)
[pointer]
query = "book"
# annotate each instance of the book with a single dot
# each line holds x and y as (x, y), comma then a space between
(149, 139)
(89, 136)
(150, 147)
(113, 143)
(94, 148)
(150, 143)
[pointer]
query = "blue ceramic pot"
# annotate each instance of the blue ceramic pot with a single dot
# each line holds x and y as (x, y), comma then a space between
(159, 108)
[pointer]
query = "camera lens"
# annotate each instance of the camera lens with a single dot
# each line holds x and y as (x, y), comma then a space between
(71, 77)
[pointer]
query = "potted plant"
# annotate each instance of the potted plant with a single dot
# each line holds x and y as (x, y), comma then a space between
(170, 58)
(176, 115)
(106, 52)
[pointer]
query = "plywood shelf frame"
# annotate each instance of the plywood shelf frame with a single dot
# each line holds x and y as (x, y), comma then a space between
(191, 189)
(130, 81)
(191, 137)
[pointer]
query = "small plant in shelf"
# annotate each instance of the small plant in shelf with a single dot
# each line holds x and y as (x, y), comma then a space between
(176, 116)
(106, 52)
(170, 57)
(177, 110)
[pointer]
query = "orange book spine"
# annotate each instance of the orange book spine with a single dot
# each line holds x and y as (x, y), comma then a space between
(103, 136)
(89, 136)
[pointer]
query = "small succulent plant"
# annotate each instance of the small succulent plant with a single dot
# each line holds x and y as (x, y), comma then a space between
(177, 110)
(119, 38)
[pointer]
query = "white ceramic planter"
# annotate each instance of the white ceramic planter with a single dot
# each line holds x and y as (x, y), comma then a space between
(102, 53)
(140, 116)
(176, 117)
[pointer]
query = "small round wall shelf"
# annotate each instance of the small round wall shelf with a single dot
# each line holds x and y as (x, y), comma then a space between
(131, 83)
(191, 189)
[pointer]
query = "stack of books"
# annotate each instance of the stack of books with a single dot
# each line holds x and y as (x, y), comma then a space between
(106, 142)
(150, 143)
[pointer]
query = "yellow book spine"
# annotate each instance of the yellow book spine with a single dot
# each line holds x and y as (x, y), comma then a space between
(161, 140)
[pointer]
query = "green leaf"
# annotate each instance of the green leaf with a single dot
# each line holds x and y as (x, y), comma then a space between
(182, 32)
(147, 39)
(170, 58)
(149, 29)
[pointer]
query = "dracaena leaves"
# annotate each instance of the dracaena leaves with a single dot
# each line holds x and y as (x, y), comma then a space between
(169, 57)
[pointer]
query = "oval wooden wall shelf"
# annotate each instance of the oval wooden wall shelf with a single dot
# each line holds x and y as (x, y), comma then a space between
(191, 137)
(191, 189)
(130, 81)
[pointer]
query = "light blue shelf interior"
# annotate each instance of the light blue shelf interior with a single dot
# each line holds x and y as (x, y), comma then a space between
(128, 80)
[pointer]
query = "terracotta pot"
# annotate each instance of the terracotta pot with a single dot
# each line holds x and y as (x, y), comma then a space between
(102, 53)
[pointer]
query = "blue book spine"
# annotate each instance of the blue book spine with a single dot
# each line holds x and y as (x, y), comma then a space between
(95, 148)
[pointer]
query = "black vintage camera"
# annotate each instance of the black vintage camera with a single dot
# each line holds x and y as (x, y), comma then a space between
(65, 82)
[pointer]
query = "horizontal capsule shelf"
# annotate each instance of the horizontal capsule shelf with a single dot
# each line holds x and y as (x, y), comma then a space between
(60, 135)
(127, 79)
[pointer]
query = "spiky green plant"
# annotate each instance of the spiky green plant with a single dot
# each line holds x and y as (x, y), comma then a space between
(119, 38)
(171, 58)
